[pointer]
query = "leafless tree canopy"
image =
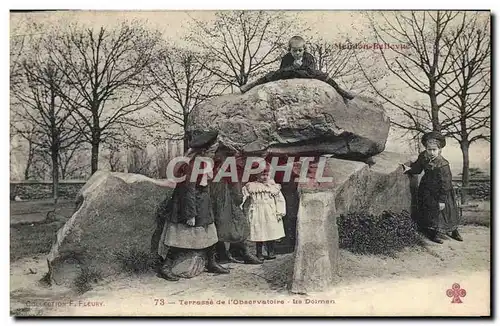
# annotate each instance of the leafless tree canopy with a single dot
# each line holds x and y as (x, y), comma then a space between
(244, 44)
(108, 70)
(139, 162)
(42, 116)
(182, 80)
(422, 66)
(447, 62)
(75, 85)
(20, 43)
(467, 115)
(343, 63)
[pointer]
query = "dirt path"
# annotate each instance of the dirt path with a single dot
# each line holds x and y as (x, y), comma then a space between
(414, 283)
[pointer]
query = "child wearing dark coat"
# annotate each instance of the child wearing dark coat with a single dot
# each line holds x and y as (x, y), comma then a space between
(189, 223)
(437, 207)
(297, 63)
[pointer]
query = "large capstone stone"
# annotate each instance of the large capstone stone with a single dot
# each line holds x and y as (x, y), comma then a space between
(295, 116)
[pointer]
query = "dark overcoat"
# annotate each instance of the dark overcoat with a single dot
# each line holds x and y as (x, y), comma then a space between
(190, 200)
(435, 187)
(308, 62)
(287, 70)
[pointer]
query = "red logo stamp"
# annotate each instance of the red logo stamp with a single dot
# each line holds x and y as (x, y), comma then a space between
(456, 292)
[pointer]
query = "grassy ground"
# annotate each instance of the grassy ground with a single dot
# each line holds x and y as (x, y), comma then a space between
(29, 233)
(32, 239)
(36, 211)
(480, 215)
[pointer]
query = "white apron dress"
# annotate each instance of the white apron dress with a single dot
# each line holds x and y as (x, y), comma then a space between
(265, 207)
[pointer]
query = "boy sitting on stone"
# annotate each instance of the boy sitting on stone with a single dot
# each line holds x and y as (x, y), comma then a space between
(297, 63)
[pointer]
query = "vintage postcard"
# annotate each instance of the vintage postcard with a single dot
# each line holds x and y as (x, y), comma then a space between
(250, 163)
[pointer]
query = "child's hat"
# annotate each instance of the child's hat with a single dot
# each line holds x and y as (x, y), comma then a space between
(441, 140)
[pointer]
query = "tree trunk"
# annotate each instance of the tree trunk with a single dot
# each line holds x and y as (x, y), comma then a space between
(186, 142)
(436, 126)
(96, 135)
(29, 161)
(55, 175)
(465, 170)
(94, 160)
(180, 150)
(64, 168)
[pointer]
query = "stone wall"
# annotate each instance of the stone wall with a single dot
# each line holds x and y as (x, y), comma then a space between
(479, 189)
(38, 190)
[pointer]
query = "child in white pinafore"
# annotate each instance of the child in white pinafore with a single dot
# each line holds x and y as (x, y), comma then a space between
(265, 207)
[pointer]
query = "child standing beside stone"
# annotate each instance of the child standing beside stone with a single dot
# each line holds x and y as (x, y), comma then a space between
(437, 207)
(265, 206)
(189, 223)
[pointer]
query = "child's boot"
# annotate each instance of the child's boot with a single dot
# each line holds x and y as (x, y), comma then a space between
(164, 267)
(165, 272)
(270, 250)
(213, 265)
(258, 249)
(455, 235)
(247, 256)
(434, 236)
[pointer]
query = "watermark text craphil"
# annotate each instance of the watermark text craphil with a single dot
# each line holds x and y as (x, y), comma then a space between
(232, 169)
(371, 46)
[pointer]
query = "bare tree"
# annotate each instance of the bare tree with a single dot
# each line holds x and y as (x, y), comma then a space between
(162, 159)
(35, 159)
(138, 161)
(71, 162)
(17, 43)
(331, 58)
(413, 136)
(16, 146)
(343, 63)
(182, 81)
(46, 115)
(244, 44)
(467, 114)
(418, 61)
(114, 158)
(108, 69)
(165, 152)
(34, 156)
(39, 164)
(30, 157)
(448, 62)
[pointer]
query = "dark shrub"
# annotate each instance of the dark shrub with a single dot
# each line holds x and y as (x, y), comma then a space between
(481, 191)
(383, 235)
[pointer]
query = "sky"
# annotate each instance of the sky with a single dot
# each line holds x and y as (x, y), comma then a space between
(331, 25)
